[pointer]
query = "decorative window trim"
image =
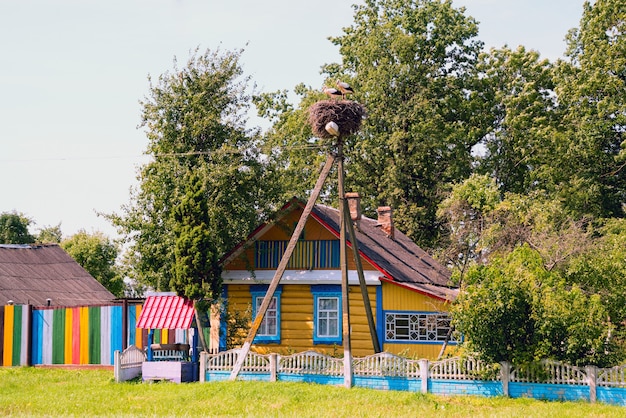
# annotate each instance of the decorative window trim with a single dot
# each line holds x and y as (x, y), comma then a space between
(411, 327)
(259, 291)
(323, 292)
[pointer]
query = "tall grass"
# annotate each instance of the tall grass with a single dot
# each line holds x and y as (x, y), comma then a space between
(27, 391)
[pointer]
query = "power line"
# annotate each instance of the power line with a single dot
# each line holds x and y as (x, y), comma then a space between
(120, 157)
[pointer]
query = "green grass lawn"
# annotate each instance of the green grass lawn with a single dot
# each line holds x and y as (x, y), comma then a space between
(27, 391)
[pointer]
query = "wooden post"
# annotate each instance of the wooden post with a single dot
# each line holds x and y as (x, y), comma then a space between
(124, 324)
(345, 288)
(245, 349)
(29, 336)
(362, 284)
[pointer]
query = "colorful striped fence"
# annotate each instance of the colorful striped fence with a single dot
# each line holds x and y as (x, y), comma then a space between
(72, 335)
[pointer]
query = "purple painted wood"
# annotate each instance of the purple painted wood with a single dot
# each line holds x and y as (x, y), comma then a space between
(174, 371)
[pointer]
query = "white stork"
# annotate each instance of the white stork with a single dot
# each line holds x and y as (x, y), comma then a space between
(332, 128)
(345, 88)
(332, 93)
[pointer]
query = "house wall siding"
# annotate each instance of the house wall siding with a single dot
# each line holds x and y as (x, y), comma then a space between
(398, 298)
(297, 319)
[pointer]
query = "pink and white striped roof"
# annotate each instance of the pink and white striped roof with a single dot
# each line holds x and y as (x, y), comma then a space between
(166, 312)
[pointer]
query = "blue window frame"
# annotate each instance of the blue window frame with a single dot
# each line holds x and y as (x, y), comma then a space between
(269, 330)
(327, 327)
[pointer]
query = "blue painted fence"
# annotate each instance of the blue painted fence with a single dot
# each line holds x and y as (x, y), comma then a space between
(550, 380)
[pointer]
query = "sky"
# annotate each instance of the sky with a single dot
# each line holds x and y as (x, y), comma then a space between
(73, 73)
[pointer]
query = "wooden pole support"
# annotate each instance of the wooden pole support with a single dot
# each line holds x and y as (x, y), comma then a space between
(362, 284)
(345, 288)
(245, 349)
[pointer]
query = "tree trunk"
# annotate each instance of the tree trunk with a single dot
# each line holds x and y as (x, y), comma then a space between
(205, 347)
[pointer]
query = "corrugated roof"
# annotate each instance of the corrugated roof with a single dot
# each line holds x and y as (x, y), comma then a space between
(31, 274)
(166, 312)
(400, 259)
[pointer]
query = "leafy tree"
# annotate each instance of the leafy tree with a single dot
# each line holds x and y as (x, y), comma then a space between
(591, 91)
(413, 64)
(97, 254)
(197, 273)
(465, 215)
(539, 221)
(196, 269)
(518, 147)
(195, 121)
(515, 310)
(601, 270)
(14, 229)
(50, 234)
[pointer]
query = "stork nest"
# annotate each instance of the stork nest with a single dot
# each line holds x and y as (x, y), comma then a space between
(347, 114)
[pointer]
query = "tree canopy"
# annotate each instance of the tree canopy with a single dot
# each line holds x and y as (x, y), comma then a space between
(14, 229)
(195, 122)
(97, 254)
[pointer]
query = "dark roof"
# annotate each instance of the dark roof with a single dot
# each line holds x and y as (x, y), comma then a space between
(31, 274)
(166, 312)
(399, 259)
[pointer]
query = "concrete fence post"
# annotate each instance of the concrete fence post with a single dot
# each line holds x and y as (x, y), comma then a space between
(505, 377)
(117, 366)
(203, 361)
(424, 375)
(273, 366)
(592, 381)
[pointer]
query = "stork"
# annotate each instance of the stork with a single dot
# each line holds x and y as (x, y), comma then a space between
(332, 93)
(332, 128)
(345, 88)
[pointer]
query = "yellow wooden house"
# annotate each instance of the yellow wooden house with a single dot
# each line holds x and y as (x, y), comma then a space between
(409, 291)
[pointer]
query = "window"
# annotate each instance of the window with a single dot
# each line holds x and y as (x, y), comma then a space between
(417, 327)
(269, 330)
(327, 316)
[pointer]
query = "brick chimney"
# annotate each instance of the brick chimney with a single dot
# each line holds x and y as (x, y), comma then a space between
(354, 204)
(385, 220)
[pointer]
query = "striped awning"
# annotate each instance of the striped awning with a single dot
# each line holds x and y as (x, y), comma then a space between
(166, 312)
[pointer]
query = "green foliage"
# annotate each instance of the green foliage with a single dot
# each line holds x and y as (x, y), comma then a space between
(464, 215)
(413, 67)
(237, 325)
(50, 234)
(591, 91)
(197, 274)
(195, 122)
(14, 229)
(97, 254)
(515, 310)
(293, 154)
(518, 146)
(602, 271)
